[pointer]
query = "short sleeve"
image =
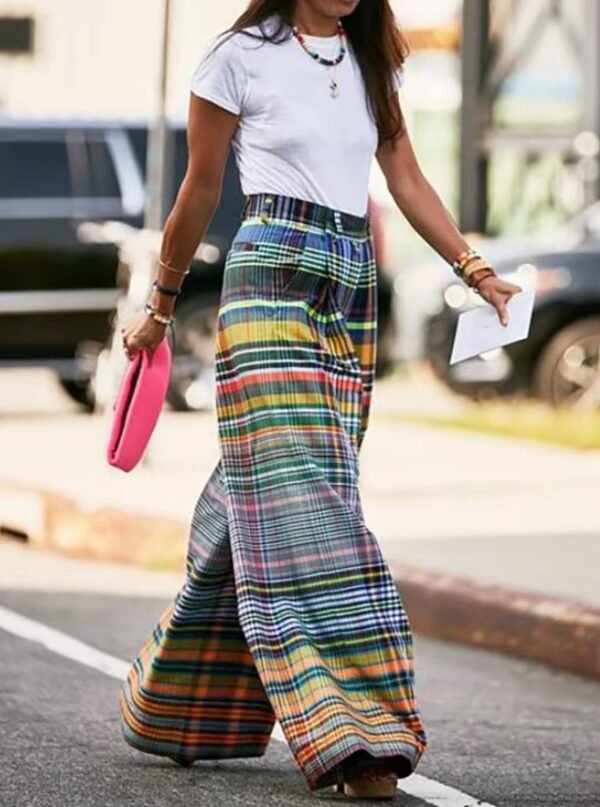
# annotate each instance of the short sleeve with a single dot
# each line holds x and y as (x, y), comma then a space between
(220, 76)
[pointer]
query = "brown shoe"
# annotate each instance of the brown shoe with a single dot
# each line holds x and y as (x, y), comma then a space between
(368, 778)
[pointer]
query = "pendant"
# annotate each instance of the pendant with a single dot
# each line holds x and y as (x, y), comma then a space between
(334, 88)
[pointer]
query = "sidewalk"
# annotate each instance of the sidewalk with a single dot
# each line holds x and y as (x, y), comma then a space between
(518, 516)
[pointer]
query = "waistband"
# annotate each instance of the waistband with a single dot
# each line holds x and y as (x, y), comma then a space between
(301, 211)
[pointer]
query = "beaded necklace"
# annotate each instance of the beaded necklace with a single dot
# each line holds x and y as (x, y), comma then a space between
(333, 85)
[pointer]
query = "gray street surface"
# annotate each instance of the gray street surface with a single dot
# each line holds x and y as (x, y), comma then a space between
(509, 733)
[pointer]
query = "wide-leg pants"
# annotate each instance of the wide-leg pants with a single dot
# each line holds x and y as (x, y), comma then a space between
(288, 611)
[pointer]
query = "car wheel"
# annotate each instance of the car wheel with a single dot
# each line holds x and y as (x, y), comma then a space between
(192, 386)
(567, 373)
(79, 391)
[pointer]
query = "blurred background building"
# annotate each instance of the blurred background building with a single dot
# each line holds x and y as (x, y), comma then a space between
(530, 86)
(502, 99)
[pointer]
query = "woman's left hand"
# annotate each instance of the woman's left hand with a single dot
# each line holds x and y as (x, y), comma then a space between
(141, 333)
(498, 292)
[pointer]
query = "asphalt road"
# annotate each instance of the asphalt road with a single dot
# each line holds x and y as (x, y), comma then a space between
(508, 733)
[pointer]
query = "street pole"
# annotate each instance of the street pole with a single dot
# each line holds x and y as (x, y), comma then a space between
(159, 150)
(591, 106)
(136, 251)
(474, 116)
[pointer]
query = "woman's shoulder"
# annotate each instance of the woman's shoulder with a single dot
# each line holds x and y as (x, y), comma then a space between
(252, 36)
(232, 46)
(225, 49)
(226, 41)
(269, 27)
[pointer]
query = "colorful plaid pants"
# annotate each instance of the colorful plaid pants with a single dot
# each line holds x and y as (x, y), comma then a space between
(288, 611)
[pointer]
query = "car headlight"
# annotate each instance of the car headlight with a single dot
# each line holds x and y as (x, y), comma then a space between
(456, 295)
(541, 279)
(459, 295)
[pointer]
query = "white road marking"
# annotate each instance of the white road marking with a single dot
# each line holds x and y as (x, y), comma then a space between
(438, 794)
(428, 790)
(62, 644)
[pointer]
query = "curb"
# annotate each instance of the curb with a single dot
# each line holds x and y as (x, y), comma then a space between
(49, 520)
(560, 633)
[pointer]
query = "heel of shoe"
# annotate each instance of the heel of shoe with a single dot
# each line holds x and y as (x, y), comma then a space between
(367, 779)
(365, 789)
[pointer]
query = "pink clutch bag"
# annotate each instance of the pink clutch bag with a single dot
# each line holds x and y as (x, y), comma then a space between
(137, 406)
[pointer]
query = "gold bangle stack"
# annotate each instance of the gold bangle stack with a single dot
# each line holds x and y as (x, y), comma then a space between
(469, 262)
(475, 265)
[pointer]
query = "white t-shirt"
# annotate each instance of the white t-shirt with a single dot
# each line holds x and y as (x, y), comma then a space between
(293, 138)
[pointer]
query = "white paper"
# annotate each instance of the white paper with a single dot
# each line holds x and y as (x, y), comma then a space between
(479, 329)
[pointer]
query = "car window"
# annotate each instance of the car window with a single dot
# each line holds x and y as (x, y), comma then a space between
(34, 169)
(139, 139)
(103, 179)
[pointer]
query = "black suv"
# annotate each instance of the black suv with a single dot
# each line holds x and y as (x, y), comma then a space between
(58, 292)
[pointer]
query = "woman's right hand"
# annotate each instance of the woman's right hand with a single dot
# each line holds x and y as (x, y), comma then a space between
(141, 332)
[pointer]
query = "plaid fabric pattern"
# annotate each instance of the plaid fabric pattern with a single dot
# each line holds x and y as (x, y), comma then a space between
(288, 610)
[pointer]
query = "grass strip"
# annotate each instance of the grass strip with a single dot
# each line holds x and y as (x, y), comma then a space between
(526, 420)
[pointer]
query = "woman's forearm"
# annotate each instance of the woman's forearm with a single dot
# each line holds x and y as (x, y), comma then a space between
(426, 213)
(187, 223)
(184, 230)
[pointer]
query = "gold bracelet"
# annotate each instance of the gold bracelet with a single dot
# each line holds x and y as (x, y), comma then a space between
(172, 268)
(474, 265)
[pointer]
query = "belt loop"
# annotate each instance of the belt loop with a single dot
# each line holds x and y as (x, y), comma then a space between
(266, 209)
(337, 217)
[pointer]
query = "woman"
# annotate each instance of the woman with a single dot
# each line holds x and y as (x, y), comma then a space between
(289, 611)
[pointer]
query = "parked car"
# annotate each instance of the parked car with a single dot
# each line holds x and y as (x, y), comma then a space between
(58, 293)
(560, 360)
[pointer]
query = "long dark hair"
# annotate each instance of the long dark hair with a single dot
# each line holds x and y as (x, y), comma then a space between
(378, 43)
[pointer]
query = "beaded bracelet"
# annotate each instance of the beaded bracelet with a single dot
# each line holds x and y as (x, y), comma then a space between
(462, 260)
(164, 290)
(154, 314)
(468, 262)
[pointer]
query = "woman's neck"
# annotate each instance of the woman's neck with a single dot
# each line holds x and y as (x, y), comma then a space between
(312, 23)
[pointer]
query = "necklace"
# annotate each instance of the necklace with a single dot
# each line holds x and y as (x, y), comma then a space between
(334, 88)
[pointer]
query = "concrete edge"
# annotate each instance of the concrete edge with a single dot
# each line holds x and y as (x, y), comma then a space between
(49, 520)
(560, 633)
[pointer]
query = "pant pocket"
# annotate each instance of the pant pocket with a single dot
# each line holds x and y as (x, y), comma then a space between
(341, 343)
(284, 261)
